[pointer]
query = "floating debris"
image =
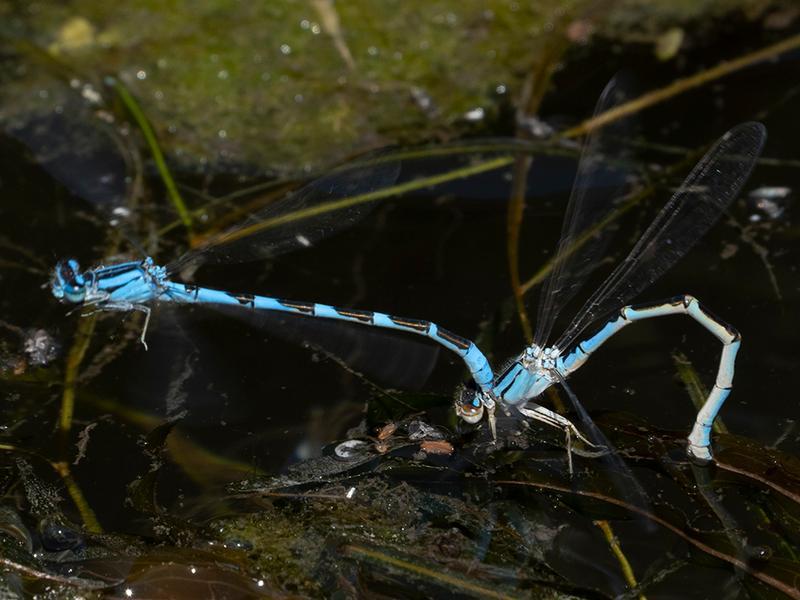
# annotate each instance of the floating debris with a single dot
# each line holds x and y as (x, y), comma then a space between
(40, 347)
(770, 202)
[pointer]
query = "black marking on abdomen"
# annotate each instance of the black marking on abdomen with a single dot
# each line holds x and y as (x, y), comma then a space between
(415, 324)
(244, 299)
(673, 301)
(364, 316)
(728, 327)
(456, 340)
(307, 308)
(192, 289)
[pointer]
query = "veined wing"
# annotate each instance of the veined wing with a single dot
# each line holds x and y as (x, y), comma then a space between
(702, 198)
(622, 478)
(601, 179)
(332, 202)
(386, 357)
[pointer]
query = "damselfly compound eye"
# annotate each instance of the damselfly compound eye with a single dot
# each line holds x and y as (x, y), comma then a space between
(68, 282)
(469, 406)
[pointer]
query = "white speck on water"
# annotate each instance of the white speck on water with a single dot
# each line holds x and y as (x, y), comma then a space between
(500, 89)
(223, 74)
(304, 241)
(372, 51)
(305, 24)
(476, 114)
(141, 74)
(421, 97)
(771, 192)
(222, 133)
(316, 29)
(286, 49)
(350, 493)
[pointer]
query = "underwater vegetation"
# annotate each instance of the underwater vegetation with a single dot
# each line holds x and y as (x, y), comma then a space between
(242, 455)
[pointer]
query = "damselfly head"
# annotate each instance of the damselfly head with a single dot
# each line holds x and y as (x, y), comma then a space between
(68, 283)
(469, 405)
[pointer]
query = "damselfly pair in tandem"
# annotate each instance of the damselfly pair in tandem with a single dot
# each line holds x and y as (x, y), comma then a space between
(343, 196)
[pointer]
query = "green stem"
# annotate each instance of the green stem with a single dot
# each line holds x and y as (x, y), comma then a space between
(149, 135)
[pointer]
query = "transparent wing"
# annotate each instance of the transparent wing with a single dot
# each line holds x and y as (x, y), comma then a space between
(621, 476)
(386, 357)
(705, 194)
(601, 179)
(332, 202)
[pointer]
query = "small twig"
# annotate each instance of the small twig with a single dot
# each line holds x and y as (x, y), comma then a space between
(77, 352)
(313, 211)
(680, 86)
(794, 496)
(625, 565)
(452, 581)
(330, 23)
(761, 252)
(88, 517)
(792, 592)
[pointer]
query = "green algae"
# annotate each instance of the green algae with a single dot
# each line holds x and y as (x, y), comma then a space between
(282, 85)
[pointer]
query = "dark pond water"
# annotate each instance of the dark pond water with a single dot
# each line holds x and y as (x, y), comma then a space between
(173, 453)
